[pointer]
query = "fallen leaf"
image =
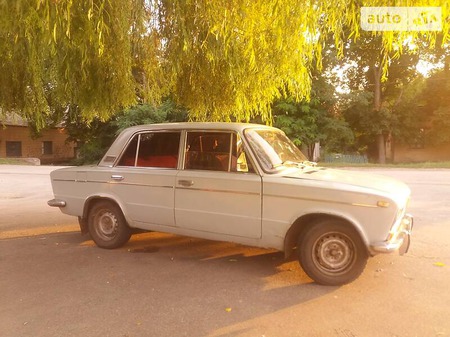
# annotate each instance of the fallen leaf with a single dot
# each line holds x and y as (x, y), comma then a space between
(439, 264)
(408, 277)
(228, 309)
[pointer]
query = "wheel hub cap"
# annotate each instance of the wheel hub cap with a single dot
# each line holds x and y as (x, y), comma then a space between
(333, 252)
(107, 225)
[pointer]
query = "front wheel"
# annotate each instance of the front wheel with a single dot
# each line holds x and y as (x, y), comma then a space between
(107, 225)
(331, 252)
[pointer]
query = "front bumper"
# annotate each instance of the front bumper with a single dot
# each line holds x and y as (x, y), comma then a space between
(400, 240)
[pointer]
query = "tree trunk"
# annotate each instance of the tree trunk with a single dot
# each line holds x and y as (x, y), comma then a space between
(377, 106)
(393, 149)
(381, 149)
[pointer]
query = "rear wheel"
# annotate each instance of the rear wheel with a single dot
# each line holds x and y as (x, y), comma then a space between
(332, 253)
(107, 225)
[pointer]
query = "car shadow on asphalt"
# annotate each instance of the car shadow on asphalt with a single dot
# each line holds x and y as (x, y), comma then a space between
(251, 261)
(215, 286)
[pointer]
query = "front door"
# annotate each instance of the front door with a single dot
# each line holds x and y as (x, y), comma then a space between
(218, 191)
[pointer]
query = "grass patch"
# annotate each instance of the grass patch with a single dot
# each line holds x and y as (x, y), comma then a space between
(427, 165)
(14, 161)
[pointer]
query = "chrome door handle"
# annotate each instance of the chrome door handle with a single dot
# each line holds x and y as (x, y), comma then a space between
(117, 177)
(186, 183)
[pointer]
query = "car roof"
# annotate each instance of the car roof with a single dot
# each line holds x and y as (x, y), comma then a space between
(195, 125)
(118, 145)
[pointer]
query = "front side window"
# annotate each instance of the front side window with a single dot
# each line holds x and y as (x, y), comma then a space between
(152, 149)
(274, 149)
(216, 151)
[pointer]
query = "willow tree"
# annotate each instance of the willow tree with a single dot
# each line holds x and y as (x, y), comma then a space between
(67, 53)
(224, 60)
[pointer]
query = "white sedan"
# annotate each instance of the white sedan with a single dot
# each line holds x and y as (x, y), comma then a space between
(244, 183)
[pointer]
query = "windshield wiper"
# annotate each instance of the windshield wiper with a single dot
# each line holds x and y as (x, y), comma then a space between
(309, 163)
(301, 164)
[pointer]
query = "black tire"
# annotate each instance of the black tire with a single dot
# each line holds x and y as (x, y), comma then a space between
(332, 253)
(107, 225)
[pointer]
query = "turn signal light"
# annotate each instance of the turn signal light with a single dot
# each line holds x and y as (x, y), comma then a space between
(382, 203)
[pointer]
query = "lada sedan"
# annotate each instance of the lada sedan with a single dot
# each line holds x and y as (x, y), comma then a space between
(243, 183)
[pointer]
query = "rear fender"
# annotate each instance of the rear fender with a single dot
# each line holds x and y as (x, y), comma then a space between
(83, 221)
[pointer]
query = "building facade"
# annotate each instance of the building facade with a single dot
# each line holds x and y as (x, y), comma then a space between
(50, 147)
(406, 154)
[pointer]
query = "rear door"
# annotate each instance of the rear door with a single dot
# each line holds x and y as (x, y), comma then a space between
(144, 178)
(218, 190)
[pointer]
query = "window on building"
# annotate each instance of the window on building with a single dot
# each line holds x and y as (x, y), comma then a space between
(13, 149)
(47, 147)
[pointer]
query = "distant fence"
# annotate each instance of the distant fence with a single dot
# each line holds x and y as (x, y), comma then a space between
(345, 158)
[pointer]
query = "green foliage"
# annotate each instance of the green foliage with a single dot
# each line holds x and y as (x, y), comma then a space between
(362, 119)
(167, 111)
(94, 138)
(228, 60)
(407, 115)
(435, 110)
(65, 52)
(315, 120)
(223, 60)
(376, 108)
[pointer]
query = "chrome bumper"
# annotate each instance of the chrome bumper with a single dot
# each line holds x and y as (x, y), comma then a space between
(56, 203)
(400, 241)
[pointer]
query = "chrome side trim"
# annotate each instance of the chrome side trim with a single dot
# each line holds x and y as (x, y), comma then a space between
(364, 205)
(113, 182)
(136, 184)
(215, 190)
(323, 200)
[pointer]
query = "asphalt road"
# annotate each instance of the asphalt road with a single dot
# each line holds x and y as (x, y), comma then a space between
(55, 282)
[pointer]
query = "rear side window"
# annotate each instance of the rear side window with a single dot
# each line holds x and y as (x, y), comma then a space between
(152, 149)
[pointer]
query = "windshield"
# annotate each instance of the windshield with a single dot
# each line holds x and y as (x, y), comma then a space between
(274, 149)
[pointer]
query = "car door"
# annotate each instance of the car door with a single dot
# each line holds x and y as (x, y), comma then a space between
(218, 190)
(144, 178)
